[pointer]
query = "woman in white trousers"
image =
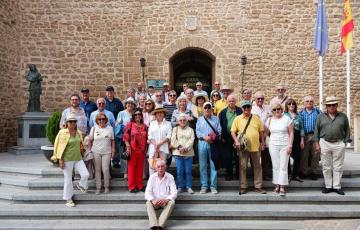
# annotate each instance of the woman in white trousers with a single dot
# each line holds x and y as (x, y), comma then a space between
(67, 149)
(280, 146)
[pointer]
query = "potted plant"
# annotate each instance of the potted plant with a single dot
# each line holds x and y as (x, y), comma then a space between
(52, 129)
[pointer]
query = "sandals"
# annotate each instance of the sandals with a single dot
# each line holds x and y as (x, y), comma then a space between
(277, 189)
(282, 191)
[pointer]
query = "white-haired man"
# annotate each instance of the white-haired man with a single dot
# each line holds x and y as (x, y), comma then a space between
(160, 192)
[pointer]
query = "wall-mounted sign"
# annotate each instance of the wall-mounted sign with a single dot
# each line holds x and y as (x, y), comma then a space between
(157, 84)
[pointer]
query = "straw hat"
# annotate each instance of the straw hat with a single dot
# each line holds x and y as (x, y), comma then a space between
(225, 87)
(71, 117)
(159, 109)
(331, 100)
(199, 95)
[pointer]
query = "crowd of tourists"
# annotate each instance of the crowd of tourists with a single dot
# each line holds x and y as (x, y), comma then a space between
(150, 129)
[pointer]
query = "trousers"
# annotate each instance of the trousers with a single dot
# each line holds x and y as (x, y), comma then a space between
(68, 184)
(332, 159)
(165, 214)
(280, 160)
(102, 164)
(136, 169)
(244, 159)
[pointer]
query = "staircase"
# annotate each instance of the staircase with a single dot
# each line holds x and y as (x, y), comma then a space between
(31, 198)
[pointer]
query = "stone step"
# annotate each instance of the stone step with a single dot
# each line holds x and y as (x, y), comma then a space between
(131, 224)
(309, 196)
(57, 183)
(183, 211)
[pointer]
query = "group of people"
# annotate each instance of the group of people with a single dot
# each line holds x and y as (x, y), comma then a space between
(151, 128)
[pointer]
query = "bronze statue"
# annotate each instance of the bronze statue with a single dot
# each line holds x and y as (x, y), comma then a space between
(34, 77)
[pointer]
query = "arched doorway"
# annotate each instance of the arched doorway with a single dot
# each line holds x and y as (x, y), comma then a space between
(192, 65)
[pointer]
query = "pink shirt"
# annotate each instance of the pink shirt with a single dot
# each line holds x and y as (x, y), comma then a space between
(161, 188)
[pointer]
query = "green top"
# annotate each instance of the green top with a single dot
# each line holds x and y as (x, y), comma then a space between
(72, 150)
(332, 130)
(230, 116)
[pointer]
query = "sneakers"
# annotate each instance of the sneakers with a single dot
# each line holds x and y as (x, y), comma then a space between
(190, 191)
(97, 192)
(214, 191)
(179, 190)
(82, 189)
(203, 190)
(70, 203)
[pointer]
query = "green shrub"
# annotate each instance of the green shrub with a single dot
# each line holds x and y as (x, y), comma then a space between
(53, 126)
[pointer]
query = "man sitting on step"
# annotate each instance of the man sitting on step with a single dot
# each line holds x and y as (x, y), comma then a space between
(160, 192)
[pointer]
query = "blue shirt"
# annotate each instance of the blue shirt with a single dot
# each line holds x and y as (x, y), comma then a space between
(109, 115)
(309, 119)
(114, 106)
(89, 107)
(204, 129)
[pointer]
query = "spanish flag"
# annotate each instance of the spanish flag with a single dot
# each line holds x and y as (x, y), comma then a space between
(347, 28)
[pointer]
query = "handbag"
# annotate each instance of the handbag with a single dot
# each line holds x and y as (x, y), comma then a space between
(125, 155)
(154, 159)
(215, 147)
(243, 139)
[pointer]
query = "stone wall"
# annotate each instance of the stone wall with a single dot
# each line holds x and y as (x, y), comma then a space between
(96, 43)
(9, 68)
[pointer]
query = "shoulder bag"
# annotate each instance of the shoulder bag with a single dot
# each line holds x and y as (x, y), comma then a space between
(215, 147)
(243, 139)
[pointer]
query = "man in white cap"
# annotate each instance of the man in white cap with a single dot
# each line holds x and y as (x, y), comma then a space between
(281, 97)
(332, 132)
(207, 127)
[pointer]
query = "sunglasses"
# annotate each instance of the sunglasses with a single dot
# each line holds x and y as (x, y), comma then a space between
(260, 98)
(138, 114)
(101, 103)
(198, 85)
(291, 104)
(148, 103)
(207, 107)
(102, 119)
(277, 109)
(216, 95)
(246, 106)
(332, 105)
(72, 121)
(172, 95)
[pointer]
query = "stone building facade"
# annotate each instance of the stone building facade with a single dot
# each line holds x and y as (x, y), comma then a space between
(93, 43)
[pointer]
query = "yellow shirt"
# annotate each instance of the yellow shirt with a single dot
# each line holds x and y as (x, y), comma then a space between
(252, 132)
(220, 105)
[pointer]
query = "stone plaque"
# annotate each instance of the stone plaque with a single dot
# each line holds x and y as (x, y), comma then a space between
(37, 131)
(191, 23)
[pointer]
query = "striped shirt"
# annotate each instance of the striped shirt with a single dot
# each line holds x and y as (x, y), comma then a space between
(170, 109)
(309, 119)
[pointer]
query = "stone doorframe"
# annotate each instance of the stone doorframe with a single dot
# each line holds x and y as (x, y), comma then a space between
(203, 44)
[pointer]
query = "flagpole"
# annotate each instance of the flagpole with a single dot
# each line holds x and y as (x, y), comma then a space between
(321, 82)
(348, 109)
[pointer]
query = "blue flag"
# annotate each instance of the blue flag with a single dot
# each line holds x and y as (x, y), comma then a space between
(321, 34)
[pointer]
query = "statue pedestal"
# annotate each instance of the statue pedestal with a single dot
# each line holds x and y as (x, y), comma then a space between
(31, 132)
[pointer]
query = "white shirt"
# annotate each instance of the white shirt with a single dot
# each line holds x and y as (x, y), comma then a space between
(196, 92)
(158, 132)
(263, 113)
(161, 188)
(279, 130)
(102, 139)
